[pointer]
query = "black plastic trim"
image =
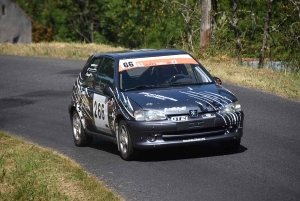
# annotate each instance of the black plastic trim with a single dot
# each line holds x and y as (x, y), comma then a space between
(101, 135)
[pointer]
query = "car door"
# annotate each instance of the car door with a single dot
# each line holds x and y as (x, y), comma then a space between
(87, 90)
(102, 113)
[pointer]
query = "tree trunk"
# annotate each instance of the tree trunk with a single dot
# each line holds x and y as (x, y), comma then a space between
(234, 24)
(214, 4)
(189, 30)
(266, 35)
(205, 25)
(92, 32)
(237, 33)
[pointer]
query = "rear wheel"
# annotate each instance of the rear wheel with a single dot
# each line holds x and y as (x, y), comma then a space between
(80, 138)
(127, 152)
(232, 145)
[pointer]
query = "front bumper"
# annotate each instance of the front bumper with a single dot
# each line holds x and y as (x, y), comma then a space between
(170, 134)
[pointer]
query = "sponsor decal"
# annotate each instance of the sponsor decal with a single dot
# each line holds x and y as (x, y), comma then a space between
(193, 140)
(193, 113)
(125, 64)
(207, 116)
(175, 109)
(158, 96)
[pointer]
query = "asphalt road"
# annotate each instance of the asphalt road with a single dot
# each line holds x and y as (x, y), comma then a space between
(34, 97)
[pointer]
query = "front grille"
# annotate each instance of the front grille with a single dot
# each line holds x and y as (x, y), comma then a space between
(195, 133)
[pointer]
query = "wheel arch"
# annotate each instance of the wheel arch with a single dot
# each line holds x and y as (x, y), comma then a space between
(71, 110)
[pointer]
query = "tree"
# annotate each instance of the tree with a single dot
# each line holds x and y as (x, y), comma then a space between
(205, 32)
(268, 19)
(234, 24)
(140, 23)
(84, 16)
(190, 11)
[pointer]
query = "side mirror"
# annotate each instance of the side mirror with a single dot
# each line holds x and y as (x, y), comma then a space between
(92, 70)
(218, 80)
(108, 91)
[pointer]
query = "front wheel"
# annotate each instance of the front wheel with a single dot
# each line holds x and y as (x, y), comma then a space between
(80, 138)
(127, 152)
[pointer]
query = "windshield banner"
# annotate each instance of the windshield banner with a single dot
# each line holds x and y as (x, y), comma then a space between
(126, 64)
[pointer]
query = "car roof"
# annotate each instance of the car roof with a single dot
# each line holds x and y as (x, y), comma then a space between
(142, 53)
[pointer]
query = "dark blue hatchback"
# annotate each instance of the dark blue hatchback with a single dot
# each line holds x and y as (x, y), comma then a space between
(150, 99)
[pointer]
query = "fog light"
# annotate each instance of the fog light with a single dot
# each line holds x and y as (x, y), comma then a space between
(152, 137)
(232, 129)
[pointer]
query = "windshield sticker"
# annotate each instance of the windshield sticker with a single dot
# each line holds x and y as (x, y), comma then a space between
(158, 96)
(125, 64)
(173, 109)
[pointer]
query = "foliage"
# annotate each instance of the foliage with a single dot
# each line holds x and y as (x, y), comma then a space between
(166, 24)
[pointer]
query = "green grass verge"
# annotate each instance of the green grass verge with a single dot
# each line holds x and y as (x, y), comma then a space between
(29, 172)
(284, 84)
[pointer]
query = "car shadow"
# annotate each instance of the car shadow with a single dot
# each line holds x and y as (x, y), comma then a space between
(187, 152)
(173, 153)
(104, 145)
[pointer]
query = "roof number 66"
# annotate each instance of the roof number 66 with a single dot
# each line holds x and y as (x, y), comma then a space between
(128, 64)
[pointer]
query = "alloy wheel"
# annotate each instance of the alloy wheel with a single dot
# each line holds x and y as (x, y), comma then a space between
(76, 126)
(123, 140)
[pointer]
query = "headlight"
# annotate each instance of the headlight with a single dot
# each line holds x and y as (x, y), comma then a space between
(231, 107)
(149, 115)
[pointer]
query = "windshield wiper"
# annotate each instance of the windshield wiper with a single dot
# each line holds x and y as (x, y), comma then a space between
(184, 83)
(162, 85)
(139, 87)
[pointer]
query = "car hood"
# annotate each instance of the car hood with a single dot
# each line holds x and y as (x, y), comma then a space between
(180, 100)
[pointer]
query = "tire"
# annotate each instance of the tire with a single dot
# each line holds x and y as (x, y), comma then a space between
(127, 152)
(232, 145)
(80, 138)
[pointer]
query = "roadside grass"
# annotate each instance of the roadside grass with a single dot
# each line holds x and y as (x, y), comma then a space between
(57, 50)
(284, 84)
(29, 172)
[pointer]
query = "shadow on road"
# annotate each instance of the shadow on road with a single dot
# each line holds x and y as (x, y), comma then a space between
(104, 145)
(12, 102)
(71, 73)
(46, 93)
(166, 154)
(202, 151)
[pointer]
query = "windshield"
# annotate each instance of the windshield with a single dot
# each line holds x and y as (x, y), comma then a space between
(161, 75)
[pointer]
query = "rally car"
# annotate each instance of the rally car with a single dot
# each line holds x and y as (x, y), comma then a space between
(147, 99)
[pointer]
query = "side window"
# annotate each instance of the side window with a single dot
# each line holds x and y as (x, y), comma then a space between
(105, 75)
(88, 76)
(85, 65)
